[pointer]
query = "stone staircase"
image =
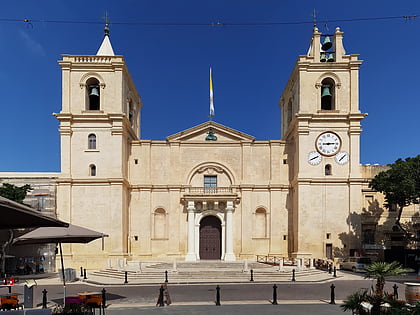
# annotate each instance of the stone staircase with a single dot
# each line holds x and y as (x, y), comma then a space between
(199, 272)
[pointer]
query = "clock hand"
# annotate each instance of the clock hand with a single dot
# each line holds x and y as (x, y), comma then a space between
(342, 157)
(313, 158)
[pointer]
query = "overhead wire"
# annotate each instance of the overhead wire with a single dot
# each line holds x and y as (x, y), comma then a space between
(31, 21)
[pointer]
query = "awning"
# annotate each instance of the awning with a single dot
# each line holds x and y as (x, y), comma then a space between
(14, 215)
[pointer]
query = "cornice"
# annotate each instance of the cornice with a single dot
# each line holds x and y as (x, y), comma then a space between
(92, 180)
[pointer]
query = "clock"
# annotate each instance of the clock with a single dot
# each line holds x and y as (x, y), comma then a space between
(342, 157)
(328, 143)
(314, 158)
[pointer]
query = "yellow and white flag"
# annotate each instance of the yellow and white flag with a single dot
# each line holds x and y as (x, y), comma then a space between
(211, 97)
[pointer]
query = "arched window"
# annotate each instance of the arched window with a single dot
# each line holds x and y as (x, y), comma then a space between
(93, 94)
(92, 170)
(260, 227)
(328, 94)
(328, 169)
(92, 142)
(159, 224)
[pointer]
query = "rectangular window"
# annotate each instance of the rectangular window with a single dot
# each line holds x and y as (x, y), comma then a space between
(210, 184)
(368, 233)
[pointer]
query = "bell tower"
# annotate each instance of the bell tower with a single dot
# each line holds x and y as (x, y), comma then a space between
(321, 125)
(99, 118)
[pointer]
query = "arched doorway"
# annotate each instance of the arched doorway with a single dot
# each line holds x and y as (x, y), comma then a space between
(210, 238)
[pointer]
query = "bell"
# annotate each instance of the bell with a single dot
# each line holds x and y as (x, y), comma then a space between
(323, 57)
(94, 91)
(327, 44)
(326, 92)
(330, 57)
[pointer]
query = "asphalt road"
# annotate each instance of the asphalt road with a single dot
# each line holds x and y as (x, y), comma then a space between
(202, 293)
(240, 298)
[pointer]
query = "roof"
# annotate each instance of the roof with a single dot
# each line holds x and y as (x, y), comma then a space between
(200, 133)
(106, 47)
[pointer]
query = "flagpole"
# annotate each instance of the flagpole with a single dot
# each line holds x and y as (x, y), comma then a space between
(211, 116)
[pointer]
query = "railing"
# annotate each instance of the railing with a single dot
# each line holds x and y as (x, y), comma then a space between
(209, 190)
(290, 261)
(92, 59)
(275, 260)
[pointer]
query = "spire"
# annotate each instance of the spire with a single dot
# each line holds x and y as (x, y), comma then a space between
(106, 47)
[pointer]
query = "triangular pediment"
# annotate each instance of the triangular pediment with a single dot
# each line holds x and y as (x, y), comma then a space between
(201, 132)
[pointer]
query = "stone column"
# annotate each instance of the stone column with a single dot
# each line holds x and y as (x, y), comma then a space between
(229, 255)
(191, 216)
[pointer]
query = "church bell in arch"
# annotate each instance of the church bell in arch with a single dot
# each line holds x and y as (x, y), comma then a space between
(94, 90)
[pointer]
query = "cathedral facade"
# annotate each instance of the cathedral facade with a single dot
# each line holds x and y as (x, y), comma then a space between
(212, 192)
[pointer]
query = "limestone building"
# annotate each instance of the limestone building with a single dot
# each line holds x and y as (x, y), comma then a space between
(211, 192)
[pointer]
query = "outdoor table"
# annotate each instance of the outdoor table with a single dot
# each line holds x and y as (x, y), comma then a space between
(9, 301)
(91, 299)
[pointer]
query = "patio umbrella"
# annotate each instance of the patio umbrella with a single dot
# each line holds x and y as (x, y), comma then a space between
(15, 216)
(71, 234)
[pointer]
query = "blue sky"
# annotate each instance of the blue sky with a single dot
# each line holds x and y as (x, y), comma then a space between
(170, 64)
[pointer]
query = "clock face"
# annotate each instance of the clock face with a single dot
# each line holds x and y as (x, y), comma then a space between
(342, 157)
(314, 158)
(328, 143)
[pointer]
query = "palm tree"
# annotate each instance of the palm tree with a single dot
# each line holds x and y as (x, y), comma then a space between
(380, 271)
(354, 303)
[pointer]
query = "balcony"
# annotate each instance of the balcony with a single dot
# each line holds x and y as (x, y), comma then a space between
(211, 193)
(209, 190)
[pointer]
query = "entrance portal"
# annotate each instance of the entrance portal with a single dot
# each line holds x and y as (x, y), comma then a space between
(210, 238)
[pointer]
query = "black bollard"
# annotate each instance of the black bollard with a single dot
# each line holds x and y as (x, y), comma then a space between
(84, 274)
(44, 298)
(160, 299)
(166, 276)
(81, 272)
(252, 275)
(274, 295)
(293, 275)
(332, 294)
(126, 277)
(103, 299)
(329, 268)
(395, 287)
(218, 296)
(335, 272)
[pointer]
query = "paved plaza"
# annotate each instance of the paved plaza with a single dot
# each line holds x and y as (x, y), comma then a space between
(310, 295)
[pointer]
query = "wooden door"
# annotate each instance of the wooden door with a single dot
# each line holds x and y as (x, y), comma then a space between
(210, 238)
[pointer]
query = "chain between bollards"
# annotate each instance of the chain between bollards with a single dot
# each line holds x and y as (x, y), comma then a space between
(332, 294)
(44, 298)
(217, 295)
(293, 275)
(274, 295)
(126, 277)
(252, 275)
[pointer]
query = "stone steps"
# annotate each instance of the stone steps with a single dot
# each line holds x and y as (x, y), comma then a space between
(201, 272)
